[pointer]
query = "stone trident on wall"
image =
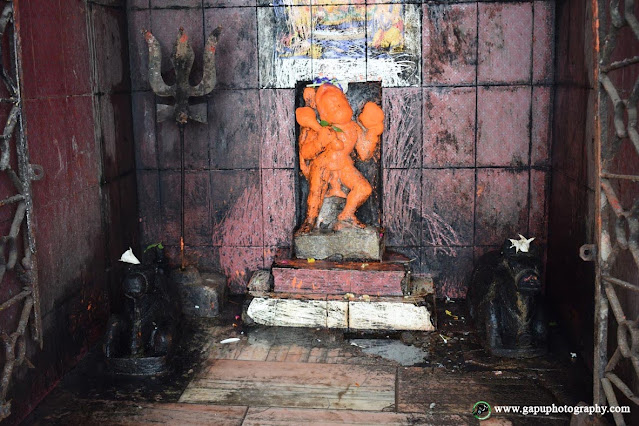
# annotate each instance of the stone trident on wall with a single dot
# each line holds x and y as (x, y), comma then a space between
(181, 111)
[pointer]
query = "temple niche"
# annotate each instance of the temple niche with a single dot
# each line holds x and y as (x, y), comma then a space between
(339, 142)
(339, 275)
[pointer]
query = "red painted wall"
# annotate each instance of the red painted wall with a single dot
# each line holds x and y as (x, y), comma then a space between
(76, 97)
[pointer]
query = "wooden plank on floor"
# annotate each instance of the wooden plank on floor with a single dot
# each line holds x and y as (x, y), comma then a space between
(94, 412)
(426, 391)
(333, 355)
(265, 416)
(317, 355)
(226, 350)
(277, 353)
(297, 354)
(254, 352)
(294, 384)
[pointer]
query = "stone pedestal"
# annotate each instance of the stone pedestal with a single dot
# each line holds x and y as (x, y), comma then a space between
(346, 295)
(345, 244)
(339, 278)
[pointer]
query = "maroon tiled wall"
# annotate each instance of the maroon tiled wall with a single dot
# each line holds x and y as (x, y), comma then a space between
(465, 156)
(77, 109)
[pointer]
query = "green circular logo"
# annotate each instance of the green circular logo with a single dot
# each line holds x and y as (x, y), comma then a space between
(481, 410)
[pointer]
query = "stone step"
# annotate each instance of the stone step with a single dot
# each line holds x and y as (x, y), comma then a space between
(343, 312)
(370, 278)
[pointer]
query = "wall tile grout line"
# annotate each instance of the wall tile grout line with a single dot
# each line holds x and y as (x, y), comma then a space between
(366, 45)
(208, 140)
(251, 88)
(260, 153)
(160, 202)
(420, 161)
(327, 3)
(476, 127)
(530, 115)
(452, 167)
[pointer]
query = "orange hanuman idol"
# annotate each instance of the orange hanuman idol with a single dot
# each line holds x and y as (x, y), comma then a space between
(326, 147)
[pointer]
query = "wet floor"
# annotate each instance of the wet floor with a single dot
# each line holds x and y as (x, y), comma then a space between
(288, 373)
(393, 350)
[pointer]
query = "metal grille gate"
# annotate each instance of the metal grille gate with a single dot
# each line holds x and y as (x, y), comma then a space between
(19, 302)
(616, 353)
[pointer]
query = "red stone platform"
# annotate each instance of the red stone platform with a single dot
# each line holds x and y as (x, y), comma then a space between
(321, 276)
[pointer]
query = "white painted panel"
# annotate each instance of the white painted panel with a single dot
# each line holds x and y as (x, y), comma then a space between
(288, 312)
(388, 316)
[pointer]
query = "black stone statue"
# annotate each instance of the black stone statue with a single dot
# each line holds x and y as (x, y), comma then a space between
(139, 340)
(505, 301)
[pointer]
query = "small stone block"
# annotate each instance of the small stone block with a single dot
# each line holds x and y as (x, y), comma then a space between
(261, 282)
(189, 275)
(345, 244)
(205, 297)
(388, 316)
(375, 278)
(288, 312)
(422, 286)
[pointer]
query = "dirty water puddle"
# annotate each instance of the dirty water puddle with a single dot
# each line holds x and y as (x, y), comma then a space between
(394, 350)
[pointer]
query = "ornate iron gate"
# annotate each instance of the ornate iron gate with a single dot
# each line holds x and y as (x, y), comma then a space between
(20, 309)
(616, 361)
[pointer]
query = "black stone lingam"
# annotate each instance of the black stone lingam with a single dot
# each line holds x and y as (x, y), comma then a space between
(505, 301)
(141, 339)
